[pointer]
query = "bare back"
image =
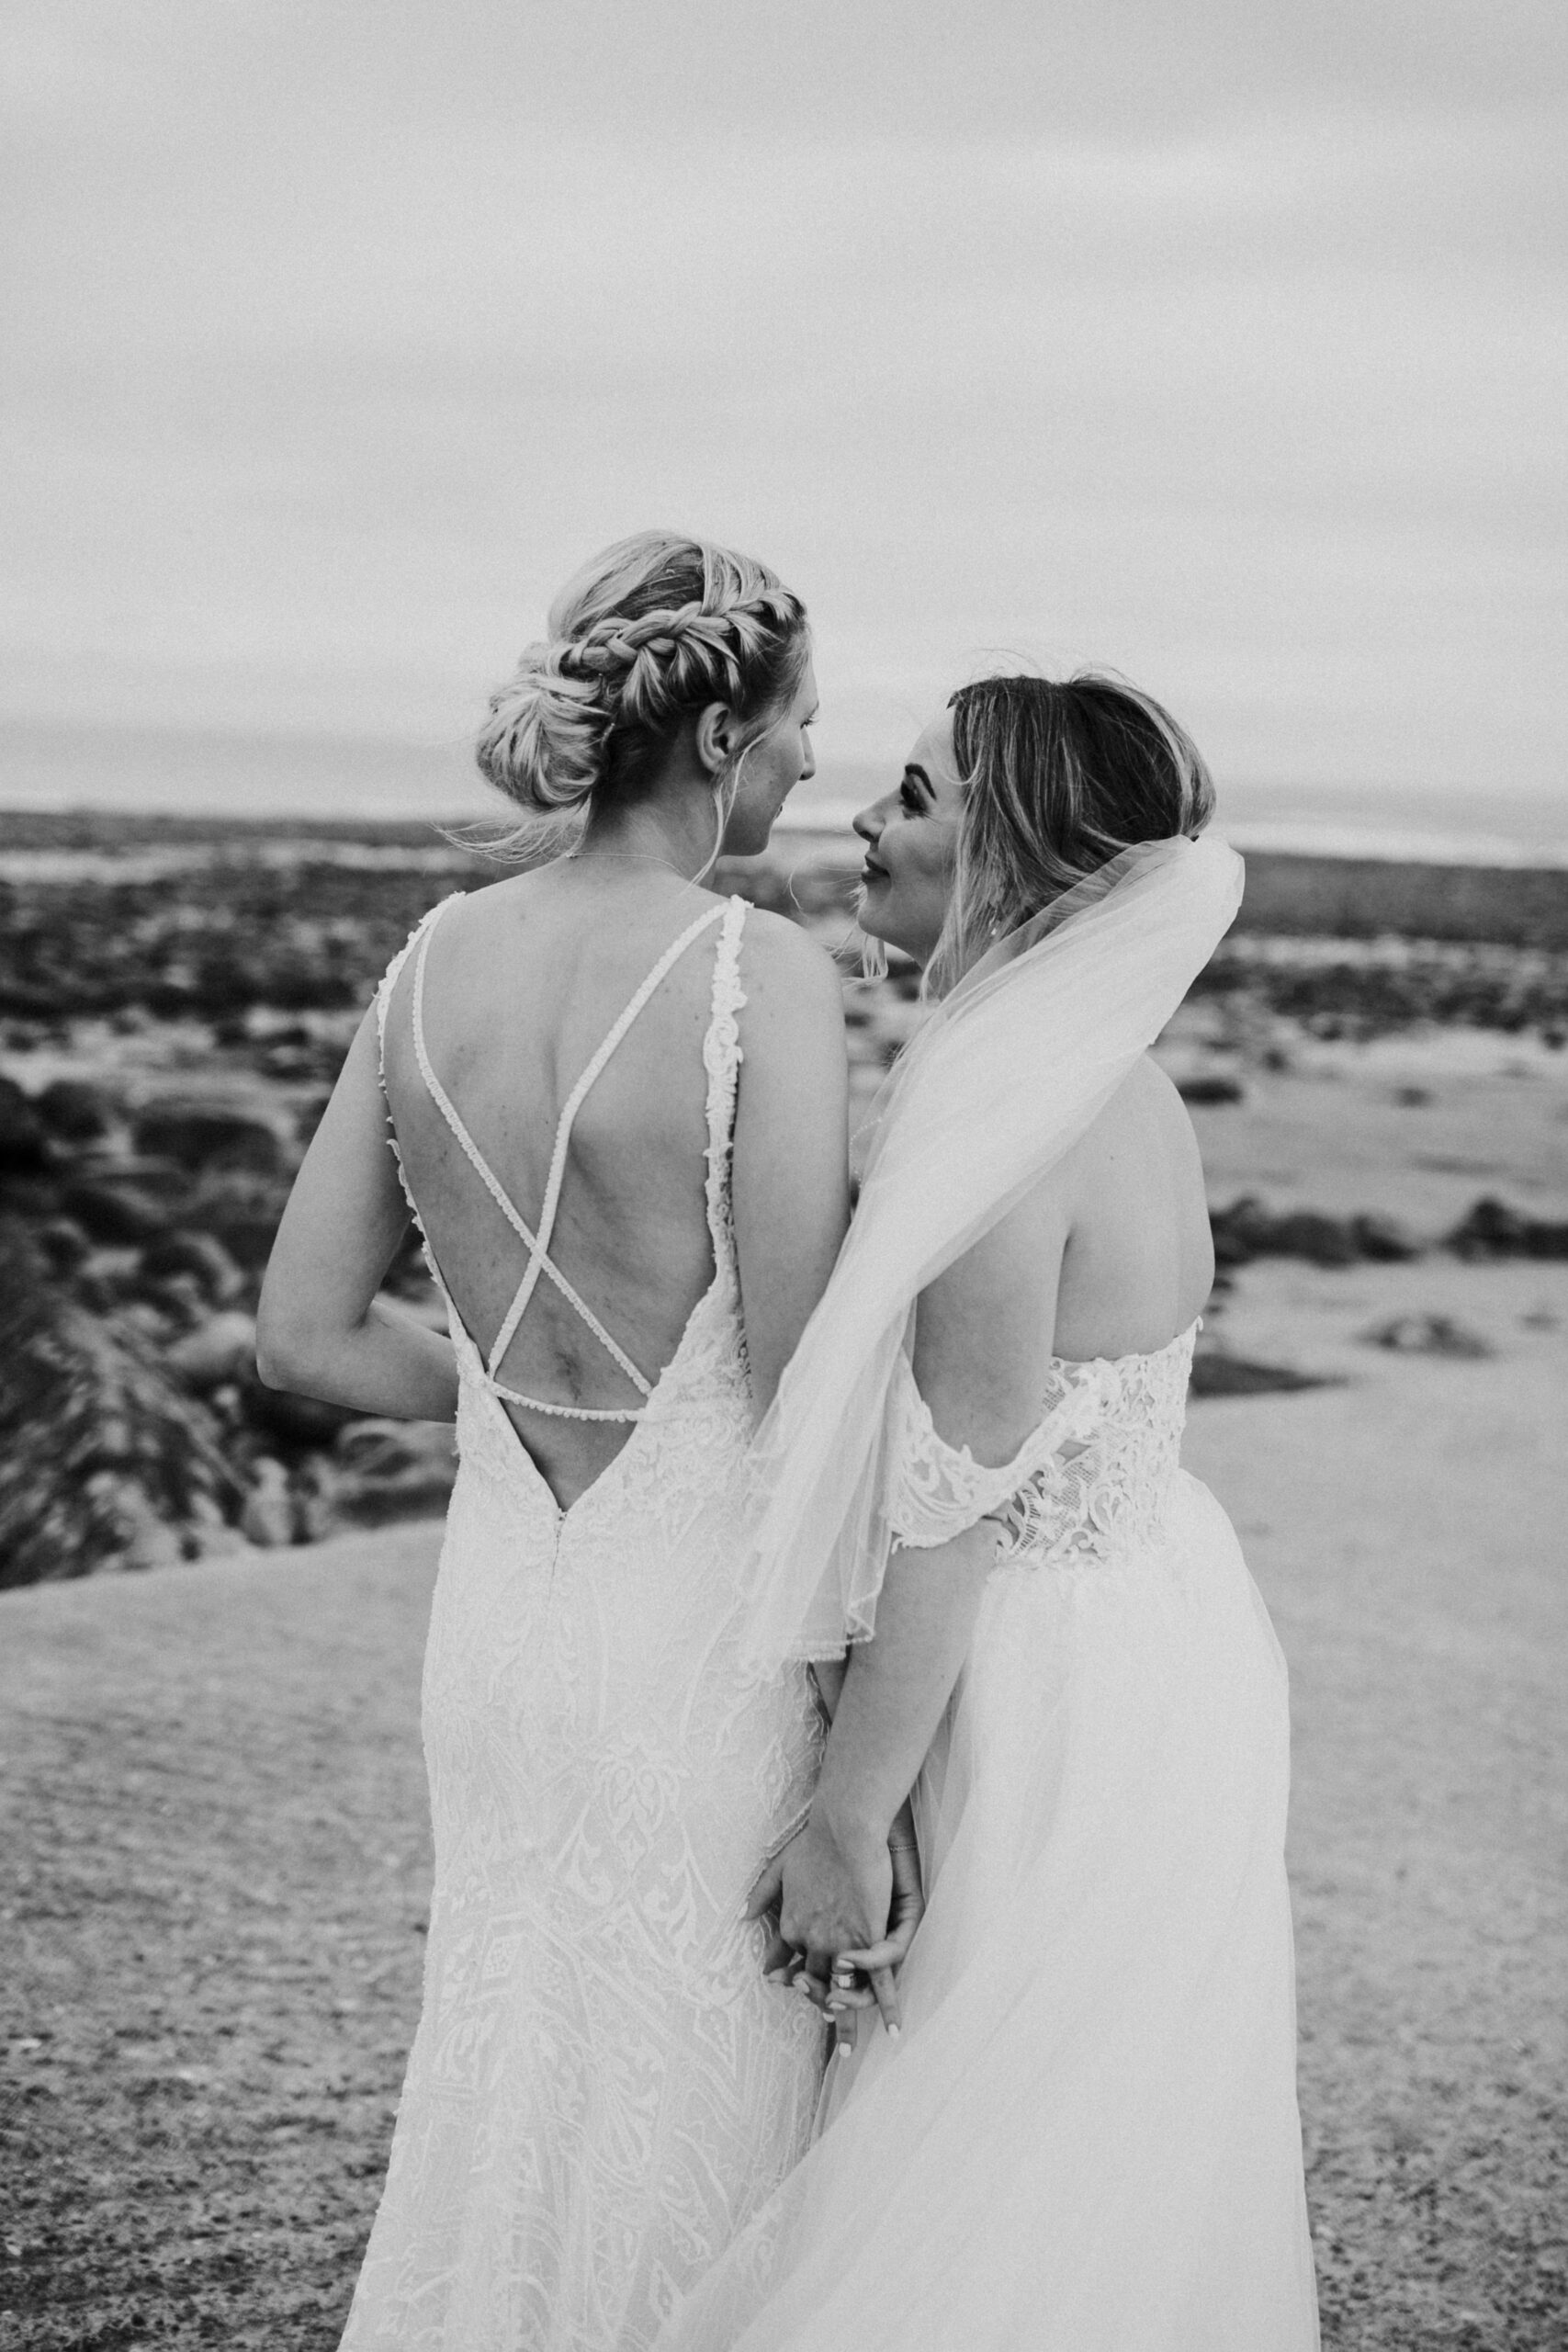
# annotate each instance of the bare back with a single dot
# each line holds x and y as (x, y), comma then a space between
(1109, 1256)
(522, 986)
(1139, 1259)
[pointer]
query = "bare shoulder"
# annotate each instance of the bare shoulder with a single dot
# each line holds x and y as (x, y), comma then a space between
(1149, 1100)
(788, 976)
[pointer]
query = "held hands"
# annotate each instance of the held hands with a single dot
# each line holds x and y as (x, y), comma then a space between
(881, 1962)
(826, 1896)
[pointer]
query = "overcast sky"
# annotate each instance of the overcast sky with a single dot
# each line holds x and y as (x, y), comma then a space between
(1224, 342)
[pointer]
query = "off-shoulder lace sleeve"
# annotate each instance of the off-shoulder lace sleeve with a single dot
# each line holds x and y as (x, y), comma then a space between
(936, 1490)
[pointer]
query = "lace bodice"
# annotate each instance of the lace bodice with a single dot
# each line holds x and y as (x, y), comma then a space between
(1090, 1483)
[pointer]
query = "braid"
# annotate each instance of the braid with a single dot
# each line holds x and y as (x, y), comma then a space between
(653, 630)
(668, 658)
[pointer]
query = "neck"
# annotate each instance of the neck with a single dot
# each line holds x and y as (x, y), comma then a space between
(678, 834)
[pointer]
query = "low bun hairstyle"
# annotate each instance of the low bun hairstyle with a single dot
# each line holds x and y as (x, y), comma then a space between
(641, 638)
(1057, 779)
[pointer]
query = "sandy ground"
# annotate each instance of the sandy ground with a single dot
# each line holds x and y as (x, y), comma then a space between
(1408, 1532)
(1414, 1125)
(214, 1864)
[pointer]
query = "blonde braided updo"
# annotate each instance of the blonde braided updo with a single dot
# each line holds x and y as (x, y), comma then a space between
(642, 638)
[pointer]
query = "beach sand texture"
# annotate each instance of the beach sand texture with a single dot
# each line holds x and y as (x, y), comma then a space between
(213, 1845)
(215, 1863)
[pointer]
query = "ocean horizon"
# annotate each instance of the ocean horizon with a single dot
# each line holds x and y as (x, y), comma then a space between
(255, 777)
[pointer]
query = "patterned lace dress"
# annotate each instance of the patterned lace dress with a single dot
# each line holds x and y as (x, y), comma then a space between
(1087, 2138)
(602, 2089)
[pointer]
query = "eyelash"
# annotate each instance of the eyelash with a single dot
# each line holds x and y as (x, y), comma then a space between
(908, 800)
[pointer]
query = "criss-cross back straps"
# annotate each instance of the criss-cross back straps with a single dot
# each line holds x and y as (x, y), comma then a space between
(538, 1245)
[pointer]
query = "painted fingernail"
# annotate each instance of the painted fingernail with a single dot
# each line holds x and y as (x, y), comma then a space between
(894, 2033)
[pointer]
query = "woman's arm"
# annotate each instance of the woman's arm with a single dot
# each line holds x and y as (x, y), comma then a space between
(320, 1328)
(983, 1335)
(791, 1181)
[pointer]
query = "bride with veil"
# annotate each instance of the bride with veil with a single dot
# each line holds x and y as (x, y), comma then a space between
(1079, 2131)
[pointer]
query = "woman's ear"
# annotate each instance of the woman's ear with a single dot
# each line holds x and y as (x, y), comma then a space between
(716, 736)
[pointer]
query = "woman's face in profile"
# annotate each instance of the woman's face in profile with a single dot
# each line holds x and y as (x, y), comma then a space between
(779, 760)
(911, 838)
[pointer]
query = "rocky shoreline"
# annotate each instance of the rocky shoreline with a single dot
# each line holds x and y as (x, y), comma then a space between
(175, 1004)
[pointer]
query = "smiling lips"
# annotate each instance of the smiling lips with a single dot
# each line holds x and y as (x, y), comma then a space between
(872, 872)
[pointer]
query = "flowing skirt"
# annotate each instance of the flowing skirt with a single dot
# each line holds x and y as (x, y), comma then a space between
(602, 2087)
(1087, 2138)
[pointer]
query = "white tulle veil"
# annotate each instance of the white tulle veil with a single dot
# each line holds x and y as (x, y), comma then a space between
(1000, 1084)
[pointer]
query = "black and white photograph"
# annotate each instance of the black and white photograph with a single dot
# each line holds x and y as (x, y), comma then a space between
(783, 1177)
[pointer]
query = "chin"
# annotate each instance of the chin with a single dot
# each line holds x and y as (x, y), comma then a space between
(749, 840)
(867, 918)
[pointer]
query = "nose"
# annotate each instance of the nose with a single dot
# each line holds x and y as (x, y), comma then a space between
(868, 823)
(807, 759)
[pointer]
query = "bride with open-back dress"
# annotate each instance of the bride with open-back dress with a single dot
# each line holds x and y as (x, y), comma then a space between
(602, 2086)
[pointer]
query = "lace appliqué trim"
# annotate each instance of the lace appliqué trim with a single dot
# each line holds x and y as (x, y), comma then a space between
(1092, 1483)
(722, 1057)
(939, 1489)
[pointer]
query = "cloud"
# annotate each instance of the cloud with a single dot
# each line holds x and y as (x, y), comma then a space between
(1224, 345)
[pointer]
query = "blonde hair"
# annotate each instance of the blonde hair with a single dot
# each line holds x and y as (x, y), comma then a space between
(1057, 779)
(643, 637)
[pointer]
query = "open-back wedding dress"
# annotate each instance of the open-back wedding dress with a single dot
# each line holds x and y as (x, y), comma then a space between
(602, 2089)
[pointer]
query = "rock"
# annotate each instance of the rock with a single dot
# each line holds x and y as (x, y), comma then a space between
(29, 1198)
(186, 1252)
(243, 1212)
(23, 1145)
(140, 1538)
(1490, 1229)
(1383, 1238)
(1241, 1232)
(65, 1247)
(74, 1109)
(266, 1515)
(223, 1347)
(180, 1296)
(293, 1422)
(1216, 1372)
(308, 1118)
(1246, 1230)
(389, 1470)
(1308, 1233)
(152, 1321)
(1211, 1088)
(316, 1487)
(247, 1234)
(161, 1179)
(208, 1136)
(1427, 1335)
(1493, 1230)
(113, 1213)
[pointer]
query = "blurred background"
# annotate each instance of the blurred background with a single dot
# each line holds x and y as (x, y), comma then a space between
(1224, 346)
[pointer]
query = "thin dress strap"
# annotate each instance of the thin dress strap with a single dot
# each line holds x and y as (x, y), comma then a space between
(538, 1245)
(721, 1058)
(538, 1261)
